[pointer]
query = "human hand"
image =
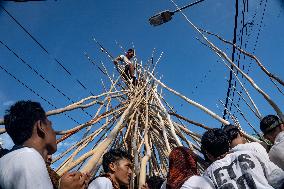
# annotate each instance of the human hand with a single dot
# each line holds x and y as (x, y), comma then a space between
(144, 186)
(75, 180)
(87, 179)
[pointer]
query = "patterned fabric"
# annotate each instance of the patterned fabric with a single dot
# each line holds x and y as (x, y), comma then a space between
(182, 165)
(54, 177)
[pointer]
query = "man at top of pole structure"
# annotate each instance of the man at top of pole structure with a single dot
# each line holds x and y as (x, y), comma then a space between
(129, 67)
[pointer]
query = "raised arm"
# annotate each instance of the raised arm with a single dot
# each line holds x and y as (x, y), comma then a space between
(117, 59)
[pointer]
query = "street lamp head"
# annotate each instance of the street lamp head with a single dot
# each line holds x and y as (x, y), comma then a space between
(161, 18)
(166, 15)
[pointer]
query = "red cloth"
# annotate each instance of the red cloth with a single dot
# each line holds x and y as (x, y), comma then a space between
(182, 165)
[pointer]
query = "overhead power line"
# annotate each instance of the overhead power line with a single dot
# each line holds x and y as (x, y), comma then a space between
(40, 75)
(250, 23)
(34, 92)
(234, 42)
(45, 50)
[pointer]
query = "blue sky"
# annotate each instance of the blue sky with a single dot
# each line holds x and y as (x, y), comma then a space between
(66, 29)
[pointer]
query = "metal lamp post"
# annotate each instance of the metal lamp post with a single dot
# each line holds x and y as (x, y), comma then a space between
(166, 15)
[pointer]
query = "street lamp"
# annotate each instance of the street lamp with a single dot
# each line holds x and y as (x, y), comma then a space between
(166, 15)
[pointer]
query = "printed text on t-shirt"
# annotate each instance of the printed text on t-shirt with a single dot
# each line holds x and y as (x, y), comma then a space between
(226, 175)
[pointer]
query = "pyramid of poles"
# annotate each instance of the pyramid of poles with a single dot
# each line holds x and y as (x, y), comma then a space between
(135, 118)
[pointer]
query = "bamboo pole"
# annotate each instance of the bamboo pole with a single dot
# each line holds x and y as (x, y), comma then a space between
(102, 146)
(145, 159)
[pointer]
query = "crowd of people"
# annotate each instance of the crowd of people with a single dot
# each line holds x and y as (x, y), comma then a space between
(232, 162)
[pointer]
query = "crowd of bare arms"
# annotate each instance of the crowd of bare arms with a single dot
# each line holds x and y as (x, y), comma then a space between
(230, 161)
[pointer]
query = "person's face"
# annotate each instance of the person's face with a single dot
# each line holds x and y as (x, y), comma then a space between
(50, 137)
(271, 136)
(130, 54)
(122, 171)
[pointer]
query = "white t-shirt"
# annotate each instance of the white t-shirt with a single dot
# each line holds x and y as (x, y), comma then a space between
(198, 182)
(245, 170)
(24, 169)
(276, 153)
(255, 147)
(125, 59)
(100, 183)
(275, 176)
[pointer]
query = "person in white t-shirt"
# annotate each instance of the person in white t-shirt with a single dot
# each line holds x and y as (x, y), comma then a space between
(117, 167)
(183, 171)
(198, 182)
(129, 68)
(239, 143)
(23, 167)
(273, 130)
(239, 169)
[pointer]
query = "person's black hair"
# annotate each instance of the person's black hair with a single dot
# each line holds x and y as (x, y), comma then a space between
(130, 50)
(269, 123)
(154, 182)
(113, 156)
(215, 142)
(3, 151)
(19, 120)
(231, 131)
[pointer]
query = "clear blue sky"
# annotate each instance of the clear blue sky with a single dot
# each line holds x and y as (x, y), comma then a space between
(66, 29)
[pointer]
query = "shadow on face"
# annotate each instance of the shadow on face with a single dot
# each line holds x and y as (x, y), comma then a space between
(50, 137)
(122, 171)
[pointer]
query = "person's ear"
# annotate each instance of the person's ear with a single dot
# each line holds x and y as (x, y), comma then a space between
(112, 167)
(40, 128)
